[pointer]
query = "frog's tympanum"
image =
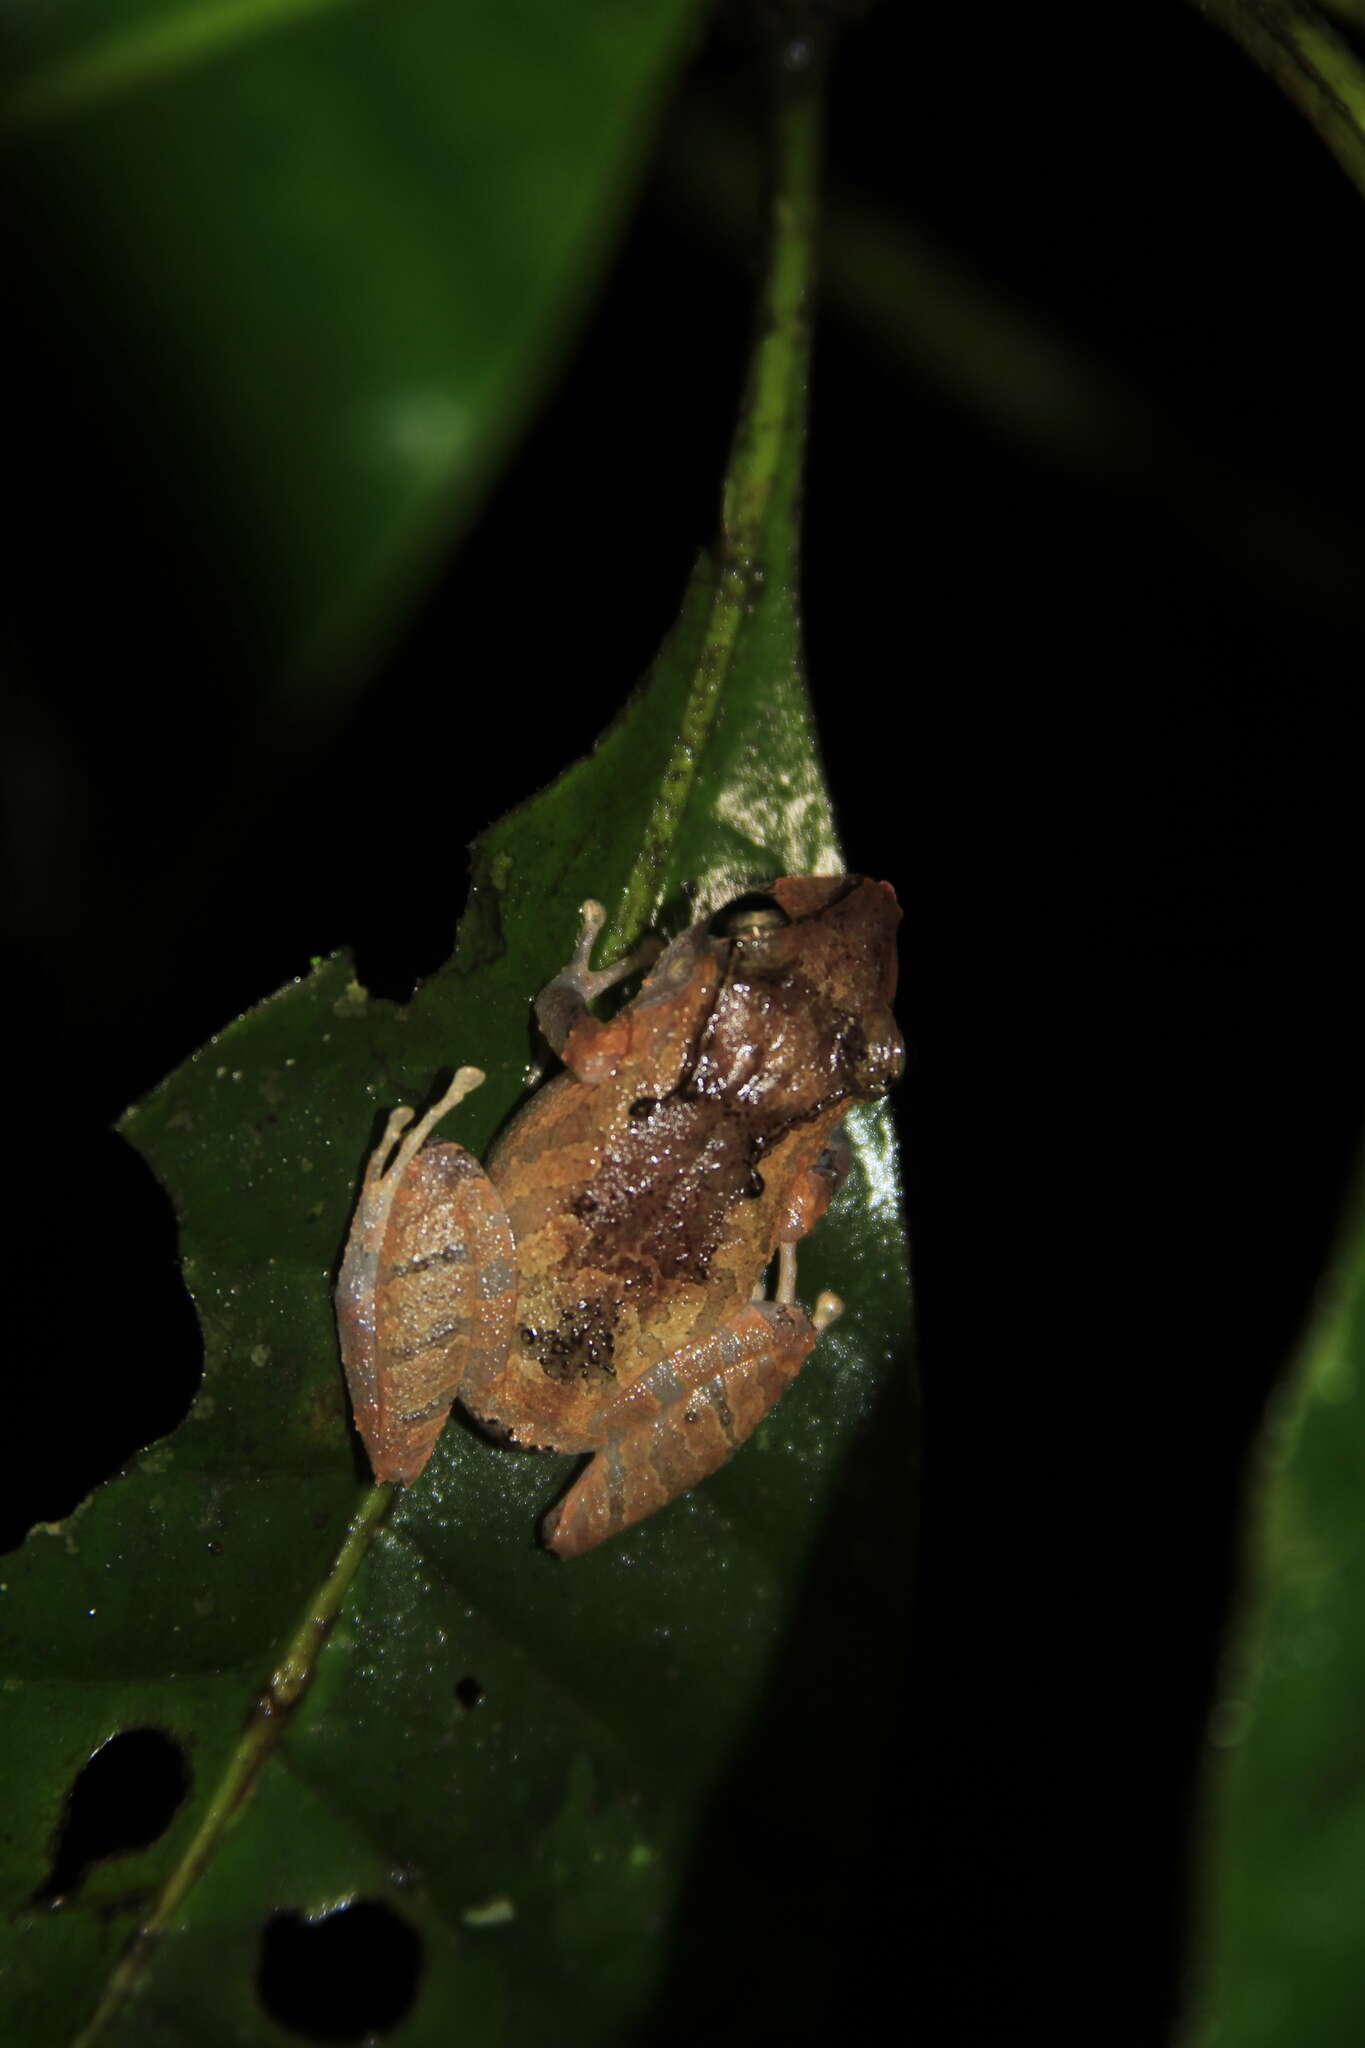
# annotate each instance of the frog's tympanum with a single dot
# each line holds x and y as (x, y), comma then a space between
(598, 1286)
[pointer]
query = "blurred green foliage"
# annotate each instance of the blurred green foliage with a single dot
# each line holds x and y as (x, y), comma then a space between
(1284, 1860)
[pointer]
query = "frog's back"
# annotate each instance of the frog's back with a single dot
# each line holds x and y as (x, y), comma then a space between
(646, 1202)
(630, 1244)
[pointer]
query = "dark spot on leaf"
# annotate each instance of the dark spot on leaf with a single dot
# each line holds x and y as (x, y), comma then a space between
(342, 1978)
(642, 1107)
(583, 1205)
(755, 1187)
(469, 1692)
(122, 1799)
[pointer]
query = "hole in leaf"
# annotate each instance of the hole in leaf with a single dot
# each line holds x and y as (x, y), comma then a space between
(81, 1408)
(341, 1978)
(123, 1799)
(469, 1692)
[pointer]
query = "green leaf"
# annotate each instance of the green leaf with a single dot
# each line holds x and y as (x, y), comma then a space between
(647, 1772)
(323, 253)
(1285, 1863)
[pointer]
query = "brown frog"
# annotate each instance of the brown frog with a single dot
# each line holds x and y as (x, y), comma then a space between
(598, 1286)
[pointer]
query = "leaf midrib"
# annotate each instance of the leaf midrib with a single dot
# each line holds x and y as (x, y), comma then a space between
(773, 412)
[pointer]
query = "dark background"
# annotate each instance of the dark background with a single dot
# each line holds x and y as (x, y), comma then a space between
(1102, 738)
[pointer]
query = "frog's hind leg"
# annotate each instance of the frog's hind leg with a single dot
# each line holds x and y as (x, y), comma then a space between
(427, 1288)
(680, 1422)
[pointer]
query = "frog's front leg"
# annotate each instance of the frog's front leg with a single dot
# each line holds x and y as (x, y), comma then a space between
(681, 1420)
(427, 1291)
(562, 1004)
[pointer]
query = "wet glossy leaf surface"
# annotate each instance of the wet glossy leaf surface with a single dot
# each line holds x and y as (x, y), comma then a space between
(539, 1840)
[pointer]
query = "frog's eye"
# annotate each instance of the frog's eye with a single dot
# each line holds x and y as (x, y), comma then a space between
(753, 913)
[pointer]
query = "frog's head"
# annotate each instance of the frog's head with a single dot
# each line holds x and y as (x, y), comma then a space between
(808, 993)
(845, 926)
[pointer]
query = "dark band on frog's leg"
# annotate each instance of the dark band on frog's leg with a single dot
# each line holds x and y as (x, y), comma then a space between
(715, 1394)
(449, 1255)
(443, 1304)
(615, 1482)
(453, 1332)
(411, 1417)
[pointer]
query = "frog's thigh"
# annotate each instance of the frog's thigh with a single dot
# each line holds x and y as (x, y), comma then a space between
(444, 1306)
(680, 1422)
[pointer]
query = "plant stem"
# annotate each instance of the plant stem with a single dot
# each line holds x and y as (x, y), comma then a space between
(1310, 62)
(266, 1723)
(772, 414)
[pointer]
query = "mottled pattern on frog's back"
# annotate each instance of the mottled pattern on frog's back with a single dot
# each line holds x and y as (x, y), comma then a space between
(643, 1219)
